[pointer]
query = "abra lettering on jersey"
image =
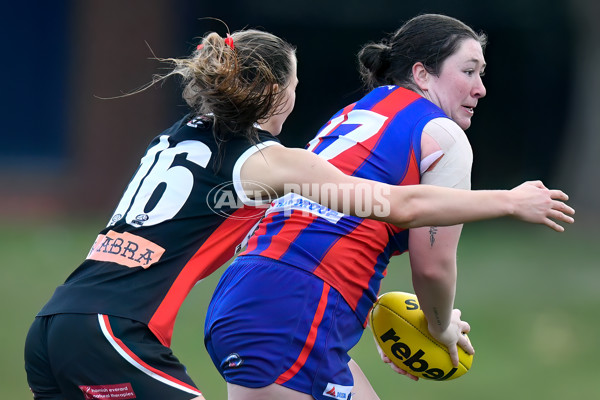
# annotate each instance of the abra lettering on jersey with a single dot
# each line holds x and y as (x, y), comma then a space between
(126, 249)
(415, 360)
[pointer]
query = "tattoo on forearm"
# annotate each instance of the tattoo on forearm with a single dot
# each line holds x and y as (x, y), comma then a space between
(437, 316)
(432, 233)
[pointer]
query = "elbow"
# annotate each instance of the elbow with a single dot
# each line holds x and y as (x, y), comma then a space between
(408, 214)
(405, 219)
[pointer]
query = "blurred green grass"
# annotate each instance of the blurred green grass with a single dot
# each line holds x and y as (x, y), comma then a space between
(532, 297)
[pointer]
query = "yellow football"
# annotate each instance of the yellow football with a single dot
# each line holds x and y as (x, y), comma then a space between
(400, 328)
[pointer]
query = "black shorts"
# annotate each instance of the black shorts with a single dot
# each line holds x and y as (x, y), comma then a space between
(94, 356)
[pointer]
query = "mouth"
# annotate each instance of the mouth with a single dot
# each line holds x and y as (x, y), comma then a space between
(470, 110)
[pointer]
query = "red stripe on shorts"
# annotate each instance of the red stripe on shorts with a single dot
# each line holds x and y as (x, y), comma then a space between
(310, 339)
(144, 367)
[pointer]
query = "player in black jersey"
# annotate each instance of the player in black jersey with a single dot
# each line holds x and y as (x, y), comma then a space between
(198, 191)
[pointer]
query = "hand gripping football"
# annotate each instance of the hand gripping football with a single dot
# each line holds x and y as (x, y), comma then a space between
(400, 328)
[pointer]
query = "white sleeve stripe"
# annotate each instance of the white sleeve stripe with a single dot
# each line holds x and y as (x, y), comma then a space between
(237, 168)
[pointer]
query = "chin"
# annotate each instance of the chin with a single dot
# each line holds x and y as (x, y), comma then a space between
(465, 125)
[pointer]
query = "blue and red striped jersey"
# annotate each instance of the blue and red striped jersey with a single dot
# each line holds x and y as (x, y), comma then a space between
(377, 138)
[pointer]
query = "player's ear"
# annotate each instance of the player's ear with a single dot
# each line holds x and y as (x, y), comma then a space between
(421, 76)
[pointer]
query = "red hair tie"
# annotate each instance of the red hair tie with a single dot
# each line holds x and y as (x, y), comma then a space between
(199, 47)
(229, 41)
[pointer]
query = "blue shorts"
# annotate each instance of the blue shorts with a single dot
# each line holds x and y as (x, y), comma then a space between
(269, 322)
(94, 356)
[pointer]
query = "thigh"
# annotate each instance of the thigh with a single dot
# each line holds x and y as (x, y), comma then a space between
(258, 315)
(97, 356)
(271, 323)
(363, 390)
(271, 392)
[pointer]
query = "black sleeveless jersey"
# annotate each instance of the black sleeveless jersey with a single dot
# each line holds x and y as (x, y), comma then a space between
(180, 218)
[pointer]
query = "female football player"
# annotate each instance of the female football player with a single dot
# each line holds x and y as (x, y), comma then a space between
(191, 203)
(288, 310)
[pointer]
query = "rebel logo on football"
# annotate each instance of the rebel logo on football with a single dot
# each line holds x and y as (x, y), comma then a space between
(414, 360)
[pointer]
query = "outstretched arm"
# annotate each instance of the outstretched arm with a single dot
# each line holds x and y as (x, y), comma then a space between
(287, 169)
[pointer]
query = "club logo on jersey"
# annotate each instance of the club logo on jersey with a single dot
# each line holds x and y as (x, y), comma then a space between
(232, 361)
(361, 199)
(199, 122)
(115, 218)
(338, 391)
(292, 201)
(140, 219)
(224, 200)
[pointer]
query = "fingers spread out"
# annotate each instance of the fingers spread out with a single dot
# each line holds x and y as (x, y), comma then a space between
(453, 351)
(403, 372)
(466, 345)
(537, 184)
(553, 225)
(399, 370)
(562, 207)
(559, 212)
(465, 327)
(559, 215)
(559, 195)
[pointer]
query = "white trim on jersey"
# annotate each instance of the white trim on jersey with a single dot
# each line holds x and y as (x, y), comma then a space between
(237, 168)
(145, 369)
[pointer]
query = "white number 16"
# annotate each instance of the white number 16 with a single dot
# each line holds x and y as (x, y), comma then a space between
(174, 181)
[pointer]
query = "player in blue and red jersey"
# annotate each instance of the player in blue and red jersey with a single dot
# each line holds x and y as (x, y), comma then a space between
(387, 149)
(286, 312)
(105, 333)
